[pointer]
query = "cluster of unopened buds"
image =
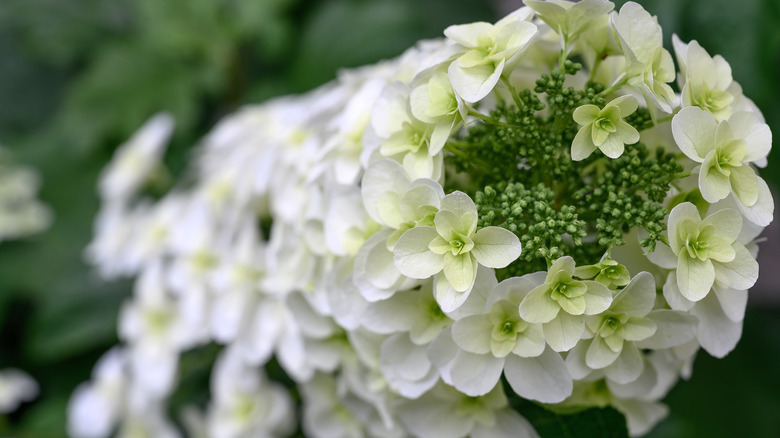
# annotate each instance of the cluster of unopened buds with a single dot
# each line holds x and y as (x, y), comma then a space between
(337, 234)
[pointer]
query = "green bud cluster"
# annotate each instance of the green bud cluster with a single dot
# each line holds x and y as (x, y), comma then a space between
(522, 177)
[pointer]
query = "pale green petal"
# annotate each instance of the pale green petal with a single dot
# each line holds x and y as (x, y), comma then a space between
(551, 13)
(639, 32)
(744, 184)
(447, 224)
(422, 198)
(583, 146)
(682, 217)
(637, 329)
(762, 212)
(741, 273)
(573, 306)
(626, 133)
(626, 104)
(757, 135)
(460, 270)
(727, 222)
(458, 203)
(495, 247)
(530, 343)
(474, 83)
(514, 36)
(583, 14)
(612, 147)
(468, 34)
(419, 164)
(448, 298)
(472, 333)
(586, 114)
(598, 136)
(599, 355)
(694, 277)
(713, 184)
(538, 307)
(597, 299)
(412, 256)
(440, 135)
(563, 332)
(694, 132)
(439, 246)
(382, 177)
(565, 264)
(673, 296)
(638, 297)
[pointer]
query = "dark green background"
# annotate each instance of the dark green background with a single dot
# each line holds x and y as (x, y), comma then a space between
(77, 77)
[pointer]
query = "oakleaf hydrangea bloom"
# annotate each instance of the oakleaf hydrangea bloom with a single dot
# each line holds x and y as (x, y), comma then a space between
(725, 150)
(454, 247)
(419, 243)
(560, 303)
(604, 129)
(707, 250)
(488, 48)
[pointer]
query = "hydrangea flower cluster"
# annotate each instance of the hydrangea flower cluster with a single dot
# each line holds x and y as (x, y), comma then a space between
(527, 199)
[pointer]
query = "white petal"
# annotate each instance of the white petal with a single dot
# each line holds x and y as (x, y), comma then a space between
(543, 378)
(474, 83)
(538, 306)
(672, 294)
(412, 256)
(674, 328)
(495, 247)
(761, 213)
(694, 277)
(740, 273)
(597, 299)
(475, 374)
(717, 334)
(732, 301)
(694, 132)
(599, 355)
(563, 332)
(638, 297)
(628, 365)
(381, 177)
(473, 333)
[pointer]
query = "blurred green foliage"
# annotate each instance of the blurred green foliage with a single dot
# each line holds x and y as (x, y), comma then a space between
(77, 77)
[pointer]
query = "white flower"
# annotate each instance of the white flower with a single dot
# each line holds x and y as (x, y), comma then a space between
(394, 202)
(649, 67)
(16, 387)
(569, 19)
(604, 129)
(444, 412)
(487, 49)
(706, 81)
(136, 160)
(708, 251)
(403, 137)
(561, 302)
(629, 324)
(725, 150)
(472, 356)
(454, 247)
(244, 404)
(95, 407)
